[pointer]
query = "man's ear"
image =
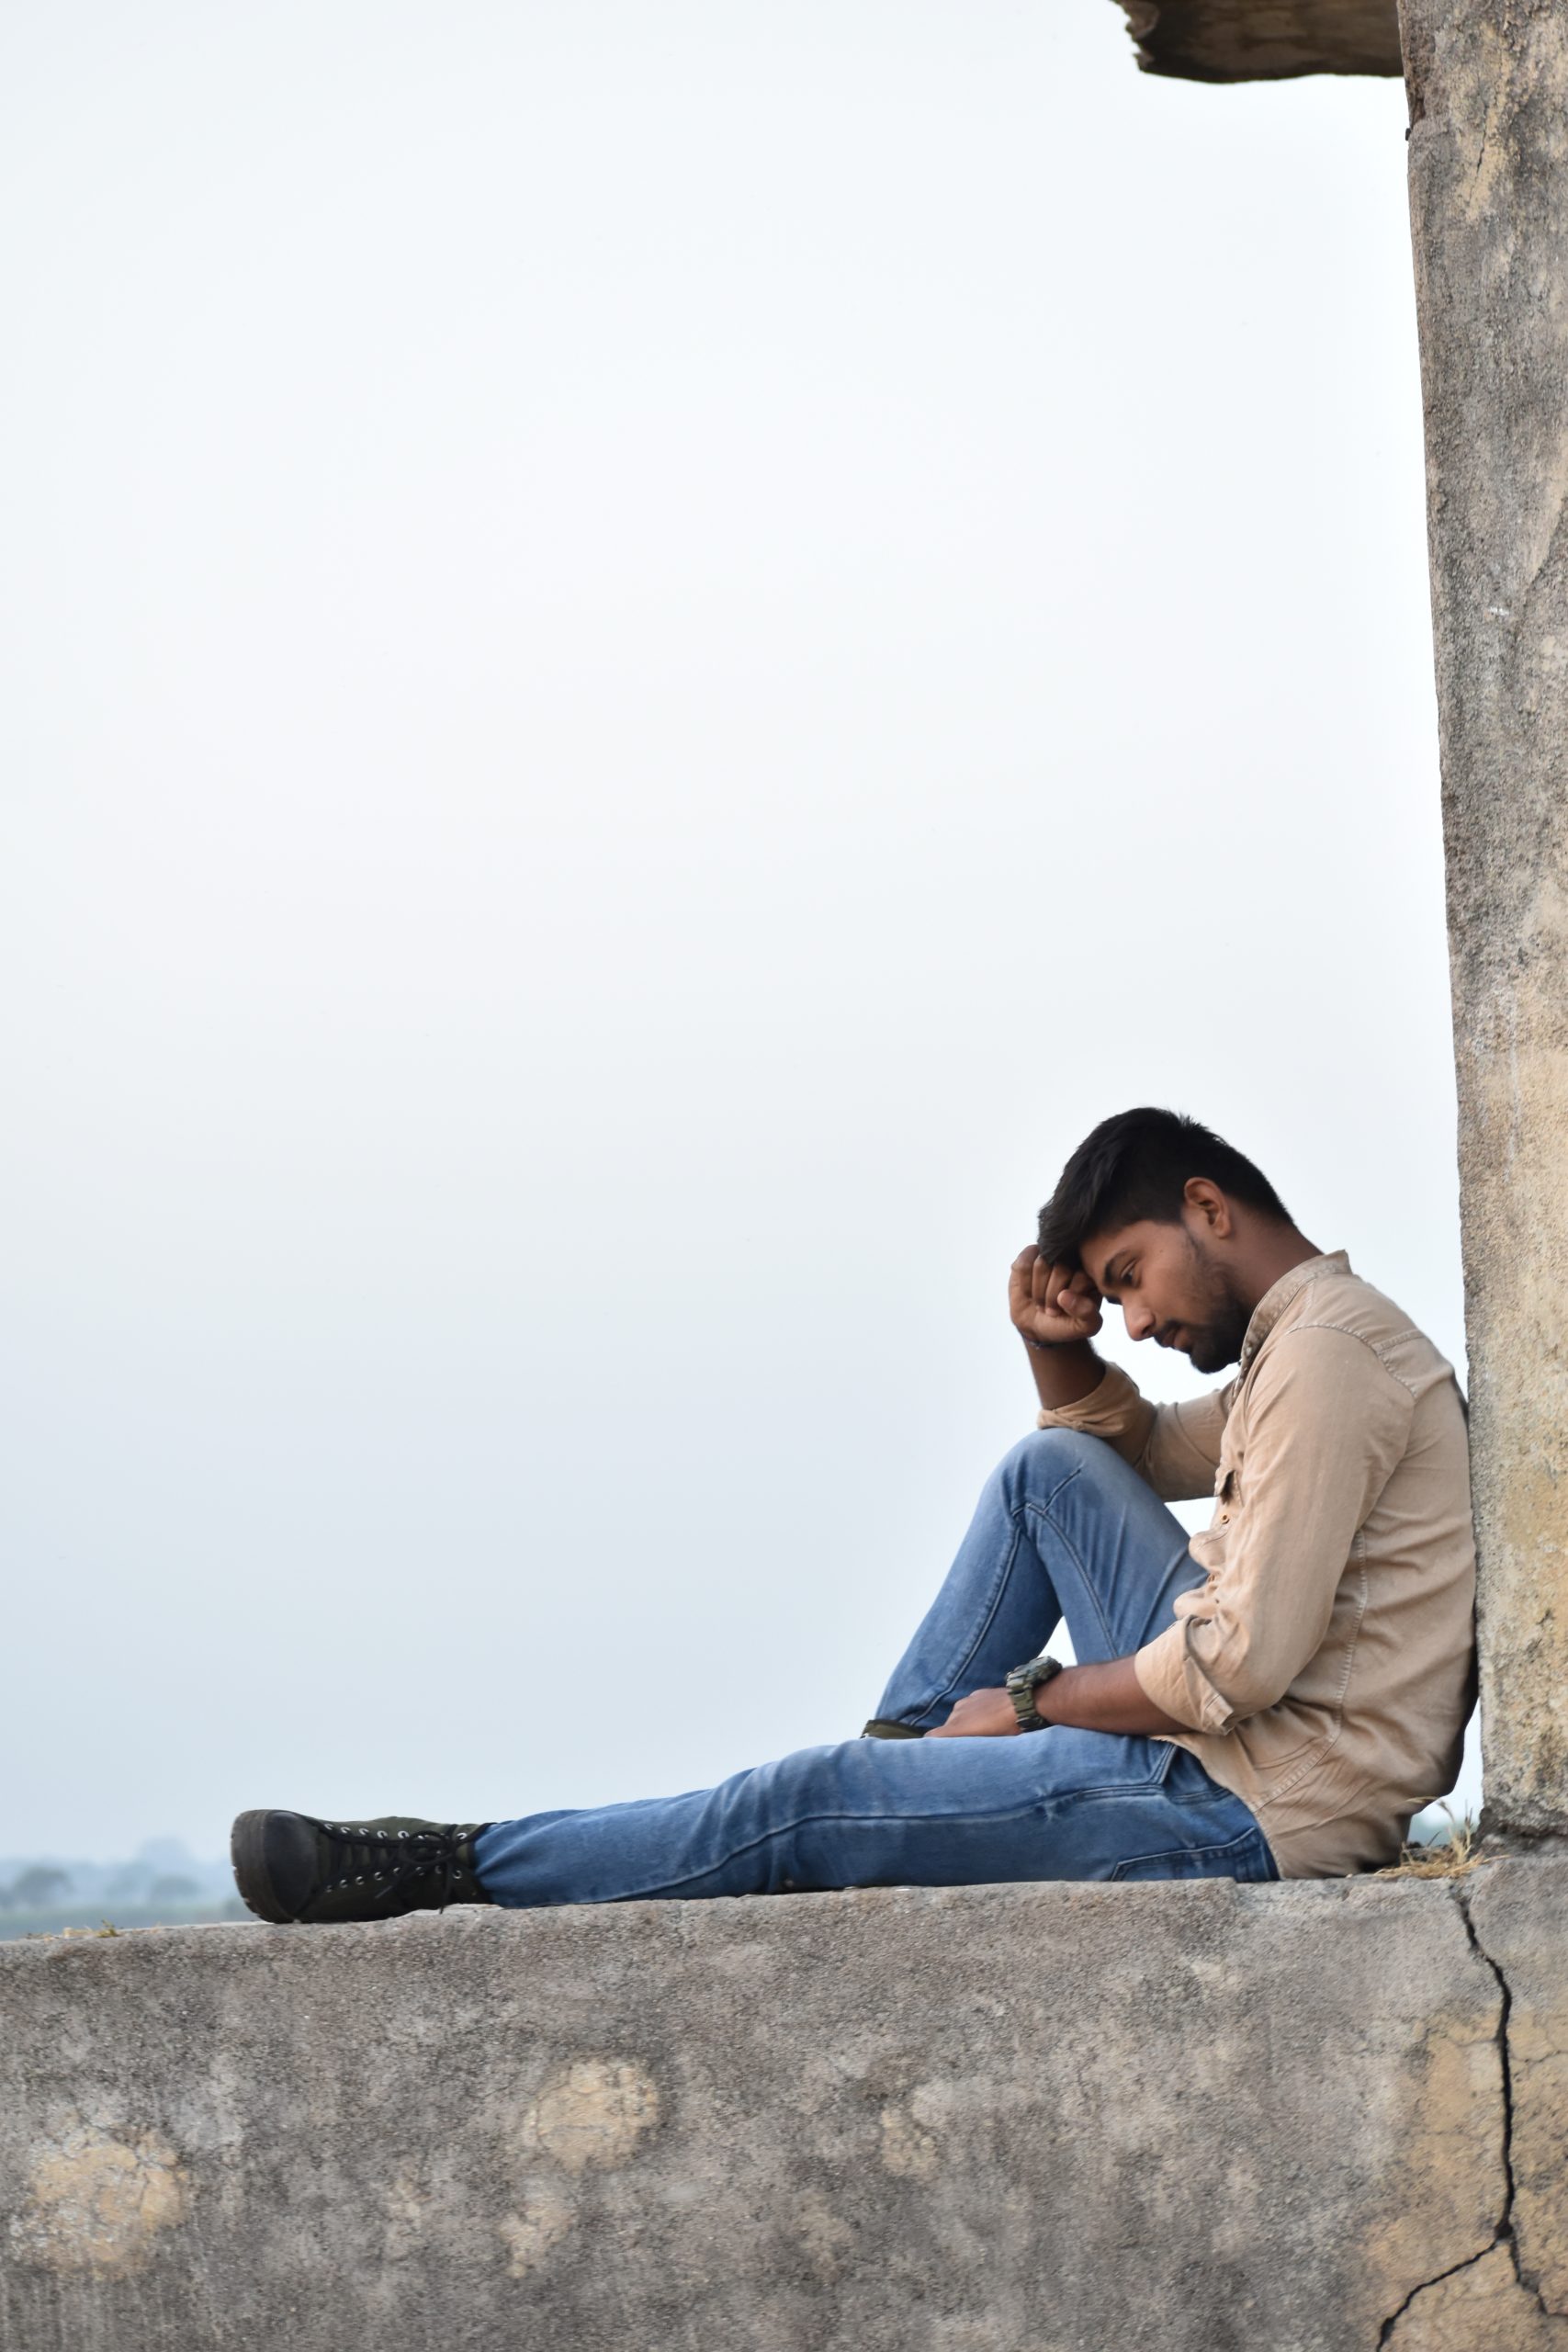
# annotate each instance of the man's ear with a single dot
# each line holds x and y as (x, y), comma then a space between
(1208, 1203)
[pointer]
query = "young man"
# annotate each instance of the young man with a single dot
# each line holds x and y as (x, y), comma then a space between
(1275, 1697)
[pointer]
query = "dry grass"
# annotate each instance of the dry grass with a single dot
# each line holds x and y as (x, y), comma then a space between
(1454, 1859)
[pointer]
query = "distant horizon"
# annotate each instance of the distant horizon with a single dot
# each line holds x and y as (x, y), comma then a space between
(152, 1850)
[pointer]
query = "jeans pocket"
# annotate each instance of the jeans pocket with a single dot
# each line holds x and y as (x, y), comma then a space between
(1245, 1858)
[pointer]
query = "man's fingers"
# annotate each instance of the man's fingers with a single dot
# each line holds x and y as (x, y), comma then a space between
(1043, 1295)
(1082, 1293)
(1056, 1282)
(1076, 1299)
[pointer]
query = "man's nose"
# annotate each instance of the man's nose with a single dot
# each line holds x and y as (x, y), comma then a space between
(1139, 1321)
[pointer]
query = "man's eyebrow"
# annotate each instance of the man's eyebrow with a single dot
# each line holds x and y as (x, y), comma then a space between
(1108, 1280)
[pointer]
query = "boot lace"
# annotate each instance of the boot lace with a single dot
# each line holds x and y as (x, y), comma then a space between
(390, 1860)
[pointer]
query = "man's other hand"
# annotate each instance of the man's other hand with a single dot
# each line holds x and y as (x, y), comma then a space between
(1052, 1306)
(985, 1714)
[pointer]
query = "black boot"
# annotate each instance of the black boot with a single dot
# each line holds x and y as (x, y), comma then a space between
(289, 1866)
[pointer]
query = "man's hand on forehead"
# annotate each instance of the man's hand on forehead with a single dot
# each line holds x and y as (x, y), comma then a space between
(1054, 1306)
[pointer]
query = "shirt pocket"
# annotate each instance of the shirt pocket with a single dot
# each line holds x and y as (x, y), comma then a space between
(1228, 1493)
(1209, 1548)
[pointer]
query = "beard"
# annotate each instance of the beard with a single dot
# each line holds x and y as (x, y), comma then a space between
(1215, 1342)
(1218, 1345)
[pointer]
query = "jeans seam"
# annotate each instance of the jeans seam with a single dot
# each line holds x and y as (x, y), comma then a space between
(1015, 1519)
(1104, 1789)
(1043, 1511)
(1069, 1801)
(800, 1821)
(1226, 1846)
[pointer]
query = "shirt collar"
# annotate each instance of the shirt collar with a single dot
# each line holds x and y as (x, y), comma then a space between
(1274, 1301)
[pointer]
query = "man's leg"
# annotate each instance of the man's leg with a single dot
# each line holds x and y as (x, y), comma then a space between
(1052, 1804)
(1064, 1528)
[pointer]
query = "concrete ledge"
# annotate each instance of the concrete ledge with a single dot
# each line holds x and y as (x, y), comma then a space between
(1178, 2118)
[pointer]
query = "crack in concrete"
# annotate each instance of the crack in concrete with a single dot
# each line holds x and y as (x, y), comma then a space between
(1502, 2232)
(1385, 2332)
(1504, 2010)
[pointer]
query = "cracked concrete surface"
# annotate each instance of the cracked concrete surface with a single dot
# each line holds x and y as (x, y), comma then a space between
(1517, 1913)
(1481, 2307)
(1509, 2298)
(1171, 2119)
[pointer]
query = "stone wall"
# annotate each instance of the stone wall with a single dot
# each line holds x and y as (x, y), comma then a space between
(1084, 2118)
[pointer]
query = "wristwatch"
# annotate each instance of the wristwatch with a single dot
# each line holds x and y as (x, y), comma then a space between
(1021, 1687)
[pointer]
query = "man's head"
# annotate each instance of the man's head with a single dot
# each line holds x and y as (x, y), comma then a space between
(1168, 1222)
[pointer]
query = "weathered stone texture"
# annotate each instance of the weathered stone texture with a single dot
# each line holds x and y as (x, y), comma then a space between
(1264, 40)
(1489, 199)
(1519, 1912)
(1481, 2308)
(1167, 2118)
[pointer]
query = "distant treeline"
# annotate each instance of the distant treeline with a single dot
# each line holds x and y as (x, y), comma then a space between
(164, 1885)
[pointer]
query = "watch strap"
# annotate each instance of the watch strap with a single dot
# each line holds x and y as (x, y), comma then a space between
(1021, 1684)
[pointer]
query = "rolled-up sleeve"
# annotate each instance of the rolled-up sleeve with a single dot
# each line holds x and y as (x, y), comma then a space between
(1327, 1424)
(1174, 1447)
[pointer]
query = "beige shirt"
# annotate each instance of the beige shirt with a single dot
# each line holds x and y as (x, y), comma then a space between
(1325, 1664)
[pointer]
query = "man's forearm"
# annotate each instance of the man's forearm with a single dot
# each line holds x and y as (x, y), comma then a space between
(1090, 1698)
(1064, 1373)
(1102, 1698)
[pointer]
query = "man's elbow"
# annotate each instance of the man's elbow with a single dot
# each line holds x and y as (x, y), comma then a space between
(1246, 1687)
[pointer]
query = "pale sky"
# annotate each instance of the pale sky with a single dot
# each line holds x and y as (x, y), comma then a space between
(649, 651)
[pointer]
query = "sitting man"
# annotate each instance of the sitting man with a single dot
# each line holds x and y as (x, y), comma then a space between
(1277, 1696)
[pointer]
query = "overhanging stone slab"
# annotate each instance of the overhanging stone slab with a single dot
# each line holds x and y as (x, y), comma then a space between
(1167, 2118)
(1264, 40)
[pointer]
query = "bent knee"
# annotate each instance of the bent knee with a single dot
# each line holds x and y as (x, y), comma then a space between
(1057, 1453)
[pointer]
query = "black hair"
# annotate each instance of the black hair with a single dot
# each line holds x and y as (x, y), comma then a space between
(1137, 1165)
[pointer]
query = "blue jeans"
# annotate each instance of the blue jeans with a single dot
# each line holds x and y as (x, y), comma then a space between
(1064, 1530)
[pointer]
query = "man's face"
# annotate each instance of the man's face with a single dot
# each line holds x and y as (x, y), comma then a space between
(1173, 1287)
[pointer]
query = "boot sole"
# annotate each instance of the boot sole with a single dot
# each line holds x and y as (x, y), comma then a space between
(247, 1852)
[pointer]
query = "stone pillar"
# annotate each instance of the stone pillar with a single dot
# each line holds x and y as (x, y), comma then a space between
(1488, 81)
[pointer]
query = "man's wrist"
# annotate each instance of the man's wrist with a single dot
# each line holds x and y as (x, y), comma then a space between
(1041, 1695)
(1024, 1687)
